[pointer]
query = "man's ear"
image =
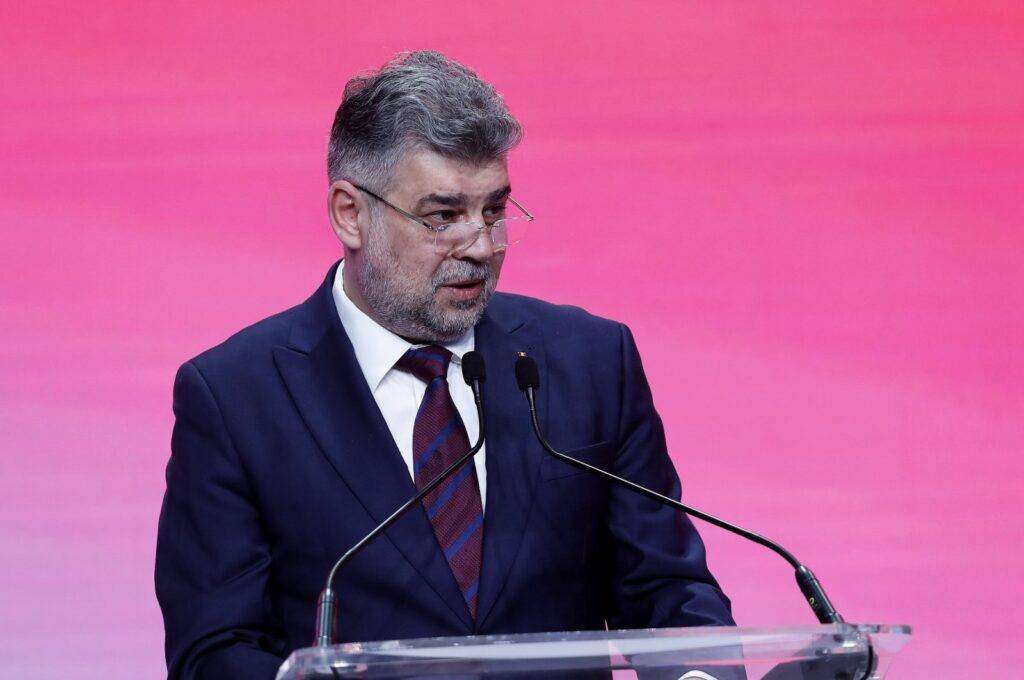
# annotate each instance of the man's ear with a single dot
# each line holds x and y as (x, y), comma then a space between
(345, 204)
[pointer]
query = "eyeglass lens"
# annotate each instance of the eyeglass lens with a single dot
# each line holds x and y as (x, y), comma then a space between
(462, 235)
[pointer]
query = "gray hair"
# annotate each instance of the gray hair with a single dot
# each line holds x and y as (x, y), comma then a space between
(417, 100)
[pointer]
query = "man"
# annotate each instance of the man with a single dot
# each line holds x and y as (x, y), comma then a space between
(297, 436)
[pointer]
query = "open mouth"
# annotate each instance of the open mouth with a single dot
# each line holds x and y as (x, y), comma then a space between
(465, 289)
(467, 283)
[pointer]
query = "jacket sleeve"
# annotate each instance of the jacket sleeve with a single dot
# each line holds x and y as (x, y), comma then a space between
(661, 578)
(212, 558)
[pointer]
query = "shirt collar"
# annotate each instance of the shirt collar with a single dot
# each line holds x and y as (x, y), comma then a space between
(377, 349)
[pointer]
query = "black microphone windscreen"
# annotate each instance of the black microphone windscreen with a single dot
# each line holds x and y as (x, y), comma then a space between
(527, 374)
(473, 368)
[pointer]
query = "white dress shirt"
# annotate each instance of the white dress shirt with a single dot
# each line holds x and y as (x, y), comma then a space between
(398, 394)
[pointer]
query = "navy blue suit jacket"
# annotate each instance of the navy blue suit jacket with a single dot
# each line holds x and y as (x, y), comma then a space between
(281, 461)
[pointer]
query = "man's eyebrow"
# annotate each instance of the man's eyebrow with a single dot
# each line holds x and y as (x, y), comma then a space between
(499, 194)
(460, 199)
(452, 200)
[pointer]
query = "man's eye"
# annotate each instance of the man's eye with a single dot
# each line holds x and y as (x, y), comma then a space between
(440, 217)
(494, 213)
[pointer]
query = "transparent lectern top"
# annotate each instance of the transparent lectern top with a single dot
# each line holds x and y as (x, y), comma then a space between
(802, 652)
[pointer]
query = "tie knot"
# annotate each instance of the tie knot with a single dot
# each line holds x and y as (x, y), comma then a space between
(426, 363)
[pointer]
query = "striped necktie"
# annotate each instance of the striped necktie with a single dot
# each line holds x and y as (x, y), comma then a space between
(439, 439)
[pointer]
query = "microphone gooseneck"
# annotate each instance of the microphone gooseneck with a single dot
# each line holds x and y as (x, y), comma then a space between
(473, 373)
(528, 377)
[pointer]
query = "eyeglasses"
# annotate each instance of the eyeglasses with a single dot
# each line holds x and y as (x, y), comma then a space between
(456, 237)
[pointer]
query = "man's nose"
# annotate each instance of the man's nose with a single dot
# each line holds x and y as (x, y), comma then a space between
(481, 249)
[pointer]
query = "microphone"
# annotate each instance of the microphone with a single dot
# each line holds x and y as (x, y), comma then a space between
(473, 373)
(528, 377)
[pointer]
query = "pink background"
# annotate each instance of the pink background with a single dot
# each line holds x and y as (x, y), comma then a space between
(809, 213)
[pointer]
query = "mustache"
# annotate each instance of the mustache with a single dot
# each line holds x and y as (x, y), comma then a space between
(460, 270)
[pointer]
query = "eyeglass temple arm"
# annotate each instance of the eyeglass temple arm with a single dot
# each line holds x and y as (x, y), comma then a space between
(520, 206)
(425, 223)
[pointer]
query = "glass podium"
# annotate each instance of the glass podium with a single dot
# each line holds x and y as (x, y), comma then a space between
(835, 652)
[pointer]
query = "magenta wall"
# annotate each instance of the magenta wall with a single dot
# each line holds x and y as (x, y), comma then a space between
(810, 214)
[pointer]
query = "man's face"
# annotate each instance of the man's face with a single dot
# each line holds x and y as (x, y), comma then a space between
(407, 286)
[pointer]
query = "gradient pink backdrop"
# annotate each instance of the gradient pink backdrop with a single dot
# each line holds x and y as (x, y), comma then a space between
(808, 212)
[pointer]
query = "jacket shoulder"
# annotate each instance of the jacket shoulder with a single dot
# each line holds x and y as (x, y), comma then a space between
(249, 347)
(510, 306)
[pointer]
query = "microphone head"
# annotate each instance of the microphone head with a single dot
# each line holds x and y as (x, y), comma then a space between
(527, 374)
(473, 368)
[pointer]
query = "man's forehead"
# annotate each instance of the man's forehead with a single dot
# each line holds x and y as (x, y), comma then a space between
(423, 173)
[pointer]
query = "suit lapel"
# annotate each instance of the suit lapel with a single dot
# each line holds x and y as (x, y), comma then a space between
(513, 457)
(323, 377)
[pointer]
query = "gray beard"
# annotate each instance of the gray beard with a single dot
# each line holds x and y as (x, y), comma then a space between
(415, 315)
